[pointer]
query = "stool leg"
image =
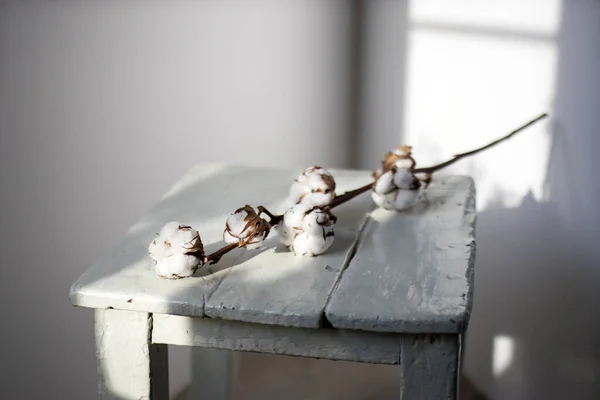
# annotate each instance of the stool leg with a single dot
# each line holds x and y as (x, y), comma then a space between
(429, 366)
(129, 365)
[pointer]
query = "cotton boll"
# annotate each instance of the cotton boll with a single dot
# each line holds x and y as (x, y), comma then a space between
(301, 245)
(307, 231)
(177, 266)
(235, 225)
(314, 187)
(170, 228)
(311, 245)
(291, 223)
(245, 228)
(176, 238)
(229, 238)
(398, 158)
(385, 201)
(385, 183)
(405, 199)
(293, 216)
(318, 170)
(184, 240)
(297, 191)
(398, 200)
(403, 178)
(159, 248)
(315, 222)
(285, 233)
(317, 199)
(405, 163)
(316, 179)
(178, 251)
(396, 189)
(310, 223)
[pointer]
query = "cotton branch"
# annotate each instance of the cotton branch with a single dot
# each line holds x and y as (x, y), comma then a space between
(341, 199)
(432, 169)
(214, 258)
(329, 186)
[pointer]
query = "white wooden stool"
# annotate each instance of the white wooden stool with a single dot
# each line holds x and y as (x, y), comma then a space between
(395, 287)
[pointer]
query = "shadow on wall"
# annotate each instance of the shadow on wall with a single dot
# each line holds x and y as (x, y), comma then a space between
(533, 330)
(534, 327)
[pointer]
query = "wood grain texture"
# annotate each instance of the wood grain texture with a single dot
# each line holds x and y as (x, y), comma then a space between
(204, 198)
(429, 367)
(129, 365)
(276, 287)
(413, 270)
(333, 344)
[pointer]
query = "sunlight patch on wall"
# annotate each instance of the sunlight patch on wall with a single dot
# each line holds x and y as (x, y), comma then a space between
(526, 16)
(502, 357)
(477, 70)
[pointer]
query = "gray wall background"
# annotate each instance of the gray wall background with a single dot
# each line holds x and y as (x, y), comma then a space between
(104, 104)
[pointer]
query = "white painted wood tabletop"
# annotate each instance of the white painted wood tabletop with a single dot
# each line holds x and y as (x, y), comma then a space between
(387, 271)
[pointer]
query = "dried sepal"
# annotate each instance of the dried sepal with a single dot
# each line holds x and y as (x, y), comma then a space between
(314, 187)
(246, 228)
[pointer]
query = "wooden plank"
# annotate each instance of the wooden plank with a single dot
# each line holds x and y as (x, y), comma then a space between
(129, 365)
(429, 367)
(204, 198)
(276, 287)
(333, 344)
(413, 271)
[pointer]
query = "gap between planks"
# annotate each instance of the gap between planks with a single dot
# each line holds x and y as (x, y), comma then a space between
(325, 323)
(348, 259)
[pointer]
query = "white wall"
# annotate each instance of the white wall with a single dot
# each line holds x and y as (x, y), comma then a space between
(96, 98)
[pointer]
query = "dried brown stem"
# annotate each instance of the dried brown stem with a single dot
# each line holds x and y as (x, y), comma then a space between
(433, 168)
(216, 256)
(275, 219)
(337, 200)
(341, 199)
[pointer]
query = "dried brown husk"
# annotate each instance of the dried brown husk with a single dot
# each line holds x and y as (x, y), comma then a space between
(390, 159)
(259, 227)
